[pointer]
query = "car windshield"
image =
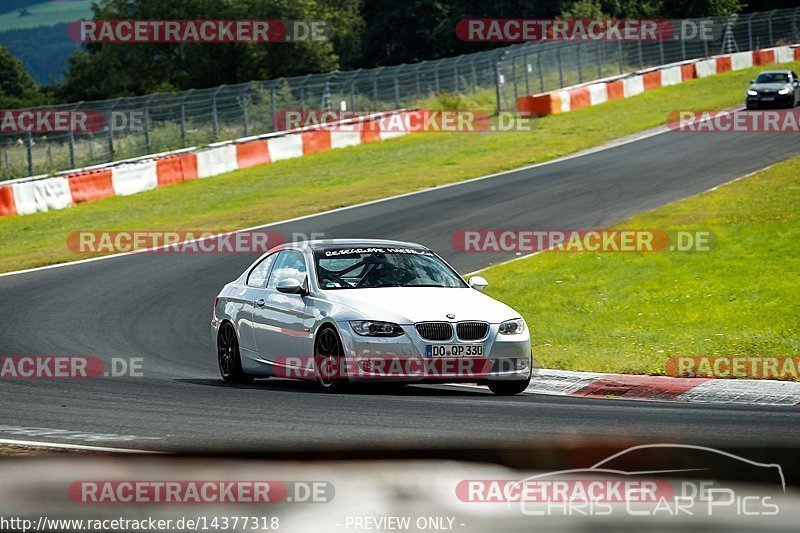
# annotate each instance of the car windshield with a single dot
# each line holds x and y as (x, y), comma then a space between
(371, 267)
(773, 77)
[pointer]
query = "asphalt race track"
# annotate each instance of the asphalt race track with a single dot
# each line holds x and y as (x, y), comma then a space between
(157, 307)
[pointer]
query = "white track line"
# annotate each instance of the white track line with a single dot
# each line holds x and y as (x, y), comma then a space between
(41, 444)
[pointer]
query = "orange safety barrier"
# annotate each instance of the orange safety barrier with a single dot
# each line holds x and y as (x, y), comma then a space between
(615, 89)
(7, 205)
(316, 141)
(579, 98)
(539, 104)
(651, 80)
(188, 166)
(168, 170)
(688, 72)
(723, 64)
(797, 53)
(763, 57)
(90, 186)
(252, 153)
(370, 131)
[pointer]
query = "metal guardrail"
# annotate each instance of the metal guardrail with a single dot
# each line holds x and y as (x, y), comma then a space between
(202, 116)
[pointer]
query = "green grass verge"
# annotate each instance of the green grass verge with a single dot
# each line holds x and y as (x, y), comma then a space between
(352, 175)
(629, 313)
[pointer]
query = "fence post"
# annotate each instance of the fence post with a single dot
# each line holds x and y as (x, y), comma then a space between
(326, 93)
(750, 34)
(29, 151)
(183, 117)
(245, 112)
(514, 75)
(272, 108)
(353, 79)
(769, 21)
(147, 139)
(72, 139)
(641, 55)
(541, 71)
(214, 115)
(621, 57)
(474, 76)
(397, 87)
(496, 65)
(560, 68)
(111, 131)
(527, 68)
(601, 56)
(455, 73)
(580, 66)
(375, 98)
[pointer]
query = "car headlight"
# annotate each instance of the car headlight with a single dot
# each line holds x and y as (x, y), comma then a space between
(751, 92)
(512, 327)
(372, 328)
(785, 90)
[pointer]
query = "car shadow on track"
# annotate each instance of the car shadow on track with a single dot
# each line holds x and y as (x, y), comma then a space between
(385, 389)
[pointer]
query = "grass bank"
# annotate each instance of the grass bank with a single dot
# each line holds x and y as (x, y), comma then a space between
(352, 175)
(629, 312)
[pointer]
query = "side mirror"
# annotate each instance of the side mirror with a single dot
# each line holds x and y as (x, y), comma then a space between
(478, 283)
(291, 286)
(752, 81)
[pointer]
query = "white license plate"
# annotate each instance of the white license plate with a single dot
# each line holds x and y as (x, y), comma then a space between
(455, 350)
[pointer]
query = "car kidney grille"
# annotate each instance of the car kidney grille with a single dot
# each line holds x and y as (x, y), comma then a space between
(472, 331)
(435, 331)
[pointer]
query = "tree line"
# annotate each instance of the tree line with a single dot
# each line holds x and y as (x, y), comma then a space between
(366, 33)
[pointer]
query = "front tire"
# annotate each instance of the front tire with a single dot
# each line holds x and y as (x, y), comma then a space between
(509, 388)
(328, 358)
(228, 358)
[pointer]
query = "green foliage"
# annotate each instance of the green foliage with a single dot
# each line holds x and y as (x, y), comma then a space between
(17, 88)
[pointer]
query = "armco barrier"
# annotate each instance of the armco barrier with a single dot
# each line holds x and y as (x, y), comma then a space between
(600, 91)
(44, 193)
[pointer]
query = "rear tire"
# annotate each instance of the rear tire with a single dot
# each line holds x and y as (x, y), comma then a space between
(509, 388)
(328, 357)
(228, 358)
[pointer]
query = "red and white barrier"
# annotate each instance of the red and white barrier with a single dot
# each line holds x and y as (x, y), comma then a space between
(44, 193)
(135, 177)
(600, 91)
(217, 160)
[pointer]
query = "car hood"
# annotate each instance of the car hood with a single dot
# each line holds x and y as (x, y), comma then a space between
(769, 86)
(407, 305)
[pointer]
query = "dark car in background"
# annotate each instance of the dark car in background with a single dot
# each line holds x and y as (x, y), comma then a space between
(774, 88)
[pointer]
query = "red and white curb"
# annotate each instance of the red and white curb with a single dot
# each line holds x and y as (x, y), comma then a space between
(628, 386)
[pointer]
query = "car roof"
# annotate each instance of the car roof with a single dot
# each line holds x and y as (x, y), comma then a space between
(776, 72)
(338, 243)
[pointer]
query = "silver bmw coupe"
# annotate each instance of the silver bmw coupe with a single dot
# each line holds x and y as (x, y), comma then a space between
(348, 311)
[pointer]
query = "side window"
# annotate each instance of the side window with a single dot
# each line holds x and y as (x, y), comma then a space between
(258, 276)
(290, 264)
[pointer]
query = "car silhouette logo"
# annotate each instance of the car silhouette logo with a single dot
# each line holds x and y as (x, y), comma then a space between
(451, 316)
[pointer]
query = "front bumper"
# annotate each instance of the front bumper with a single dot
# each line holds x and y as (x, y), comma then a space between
(760, 101)
(404, 359)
